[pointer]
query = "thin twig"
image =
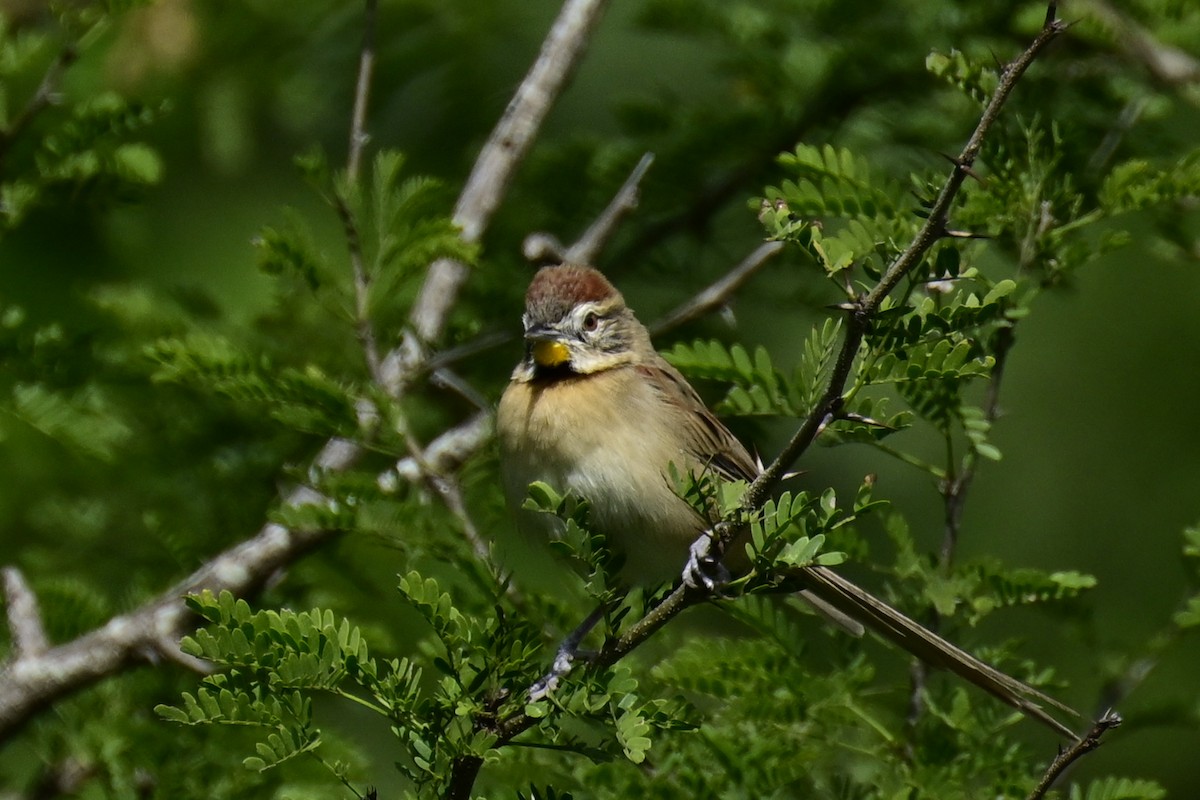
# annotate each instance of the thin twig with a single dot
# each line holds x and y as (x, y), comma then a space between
(362, 91)
(504, 151)
(718, 293)
(448, 488)
(446, 453)
(357, 142)
(1084, 745)
(43, 97)
(955, 487)
(585, 250)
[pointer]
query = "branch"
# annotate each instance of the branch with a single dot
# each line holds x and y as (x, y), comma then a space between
(865, 308)
(30, 683)
(954, 490)
(357, 141)
(362, 91)
(507, 146)
(545, 248)
(864, 311)
(585, 250)
(45, 96)
(446, 453)
(717, 294)
(24, 617)
(1084, 745)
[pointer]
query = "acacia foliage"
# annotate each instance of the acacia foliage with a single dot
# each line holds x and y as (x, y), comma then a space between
(172, 419)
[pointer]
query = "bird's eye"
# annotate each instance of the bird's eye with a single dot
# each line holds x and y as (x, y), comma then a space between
(591, 321)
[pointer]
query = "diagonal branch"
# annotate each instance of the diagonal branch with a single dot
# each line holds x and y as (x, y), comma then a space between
(863, 313)
(934, 229)
(585, 250)
(718, 293)
(504, 151)
(1086, 744)
(29, 684)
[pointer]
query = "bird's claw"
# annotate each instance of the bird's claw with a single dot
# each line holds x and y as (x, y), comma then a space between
(704, 569)
(564, 662)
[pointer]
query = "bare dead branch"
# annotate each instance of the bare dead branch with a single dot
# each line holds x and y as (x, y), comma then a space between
(24, 617)
(543, 248)
(446, 453)
(717, 294)
(504, 151)
(32, 682)
(362, 91)
(585, 250)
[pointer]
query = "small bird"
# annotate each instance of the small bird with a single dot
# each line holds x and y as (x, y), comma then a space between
(593, 409)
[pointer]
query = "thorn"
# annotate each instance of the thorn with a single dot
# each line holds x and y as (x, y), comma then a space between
(955, 160)
(874, 423)
(1051, 13)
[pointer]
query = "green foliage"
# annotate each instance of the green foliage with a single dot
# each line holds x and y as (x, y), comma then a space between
(88, 152)
(157, 395)
(587, 551)
(1119, 789)
(305, 400)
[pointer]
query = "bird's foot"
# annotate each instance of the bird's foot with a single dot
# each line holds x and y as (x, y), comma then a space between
(564, 662)
(704, 569)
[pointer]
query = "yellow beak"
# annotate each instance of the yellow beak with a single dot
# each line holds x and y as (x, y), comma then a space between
(550, 354)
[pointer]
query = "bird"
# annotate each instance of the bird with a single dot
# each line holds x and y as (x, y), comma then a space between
(593, 409)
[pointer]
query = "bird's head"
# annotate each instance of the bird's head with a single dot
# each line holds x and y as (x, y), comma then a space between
(577, 323)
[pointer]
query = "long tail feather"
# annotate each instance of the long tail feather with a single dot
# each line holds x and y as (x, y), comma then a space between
(929, 647)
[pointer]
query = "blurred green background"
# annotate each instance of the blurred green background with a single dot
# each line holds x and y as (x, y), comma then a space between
(1100, 472)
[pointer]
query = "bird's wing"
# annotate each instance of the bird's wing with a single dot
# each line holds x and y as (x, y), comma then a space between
(710, 442)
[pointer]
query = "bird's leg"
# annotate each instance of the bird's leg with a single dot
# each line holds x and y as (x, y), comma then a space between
(704, 569)
(564, 659)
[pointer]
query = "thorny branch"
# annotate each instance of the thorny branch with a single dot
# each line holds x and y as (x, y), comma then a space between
(864, 310)
(1086, 744)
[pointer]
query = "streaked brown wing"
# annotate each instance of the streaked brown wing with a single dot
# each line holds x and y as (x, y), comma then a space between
(710, 442)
